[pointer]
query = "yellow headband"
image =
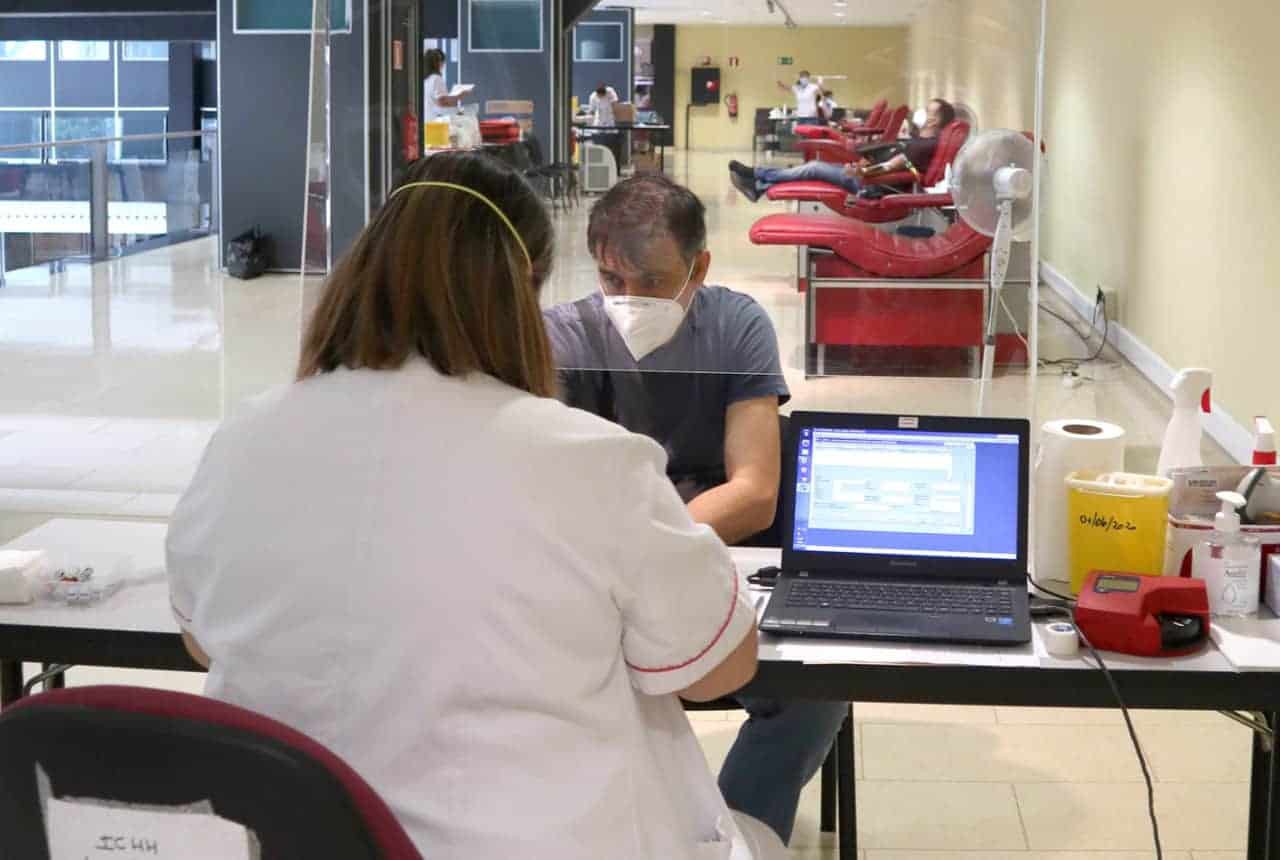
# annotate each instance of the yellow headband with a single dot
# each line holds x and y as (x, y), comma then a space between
(485, 200)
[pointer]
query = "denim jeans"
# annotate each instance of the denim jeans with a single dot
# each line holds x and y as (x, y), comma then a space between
(778, 750)
(819, 171)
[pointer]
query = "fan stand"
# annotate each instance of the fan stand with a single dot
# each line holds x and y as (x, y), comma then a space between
(1000, 251)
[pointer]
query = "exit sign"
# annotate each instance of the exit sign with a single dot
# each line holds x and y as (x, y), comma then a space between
(786, 61)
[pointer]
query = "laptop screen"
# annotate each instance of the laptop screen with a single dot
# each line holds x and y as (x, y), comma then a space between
(907, 493)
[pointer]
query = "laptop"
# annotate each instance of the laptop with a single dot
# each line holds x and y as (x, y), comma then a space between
(904, 527)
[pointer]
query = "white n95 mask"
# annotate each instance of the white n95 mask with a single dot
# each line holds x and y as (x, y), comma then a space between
(646, 323)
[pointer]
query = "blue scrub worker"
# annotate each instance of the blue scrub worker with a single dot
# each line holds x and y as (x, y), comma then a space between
(696, 368)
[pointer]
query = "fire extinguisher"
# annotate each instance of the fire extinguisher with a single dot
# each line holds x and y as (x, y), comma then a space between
(731, 104)
(411, 138)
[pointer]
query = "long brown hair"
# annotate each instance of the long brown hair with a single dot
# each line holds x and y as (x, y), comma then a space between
(437, 273)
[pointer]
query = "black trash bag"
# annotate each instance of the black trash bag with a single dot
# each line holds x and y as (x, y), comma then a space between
(247, 255)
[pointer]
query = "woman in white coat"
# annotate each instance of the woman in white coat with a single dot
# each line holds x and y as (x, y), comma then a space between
(435, 95)
(485, 601)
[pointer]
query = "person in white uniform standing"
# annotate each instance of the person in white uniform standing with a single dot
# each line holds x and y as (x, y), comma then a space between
(601, 105)
(435, 95)
(483, 600)
(807, 93)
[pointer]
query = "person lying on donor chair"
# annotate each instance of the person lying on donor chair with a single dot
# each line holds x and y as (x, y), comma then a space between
(917, 151)
(696, 368)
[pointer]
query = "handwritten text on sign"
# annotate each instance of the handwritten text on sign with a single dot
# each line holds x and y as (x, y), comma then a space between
(82, 831)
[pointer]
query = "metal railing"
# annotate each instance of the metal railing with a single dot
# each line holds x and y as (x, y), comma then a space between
(67, 216)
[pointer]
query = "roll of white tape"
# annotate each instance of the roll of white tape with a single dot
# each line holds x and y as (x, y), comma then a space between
(1061, 640)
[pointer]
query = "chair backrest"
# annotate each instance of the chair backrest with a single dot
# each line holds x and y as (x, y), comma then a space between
(892, 123)
(877, 113)
(534, 147)
(950, 142)
(133, 745)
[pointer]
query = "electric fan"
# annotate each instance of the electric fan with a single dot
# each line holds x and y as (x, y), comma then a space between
(991, 184)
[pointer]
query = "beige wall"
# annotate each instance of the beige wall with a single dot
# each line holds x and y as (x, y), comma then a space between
(1161, 181)
(981, 53)
(874, 58)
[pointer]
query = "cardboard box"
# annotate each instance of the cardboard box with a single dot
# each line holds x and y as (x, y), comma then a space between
(1192, 505)
(1271, 584)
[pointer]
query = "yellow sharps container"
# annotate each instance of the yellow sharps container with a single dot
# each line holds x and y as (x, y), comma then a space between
(1116, 521)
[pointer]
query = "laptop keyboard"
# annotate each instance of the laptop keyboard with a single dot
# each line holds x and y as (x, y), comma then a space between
(900, 597)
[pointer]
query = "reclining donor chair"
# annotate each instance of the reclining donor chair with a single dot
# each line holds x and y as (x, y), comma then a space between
(894, 206)
(824, 143)
(868, 287)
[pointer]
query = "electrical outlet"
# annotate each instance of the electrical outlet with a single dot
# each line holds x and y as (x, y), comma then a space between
(1112, 298)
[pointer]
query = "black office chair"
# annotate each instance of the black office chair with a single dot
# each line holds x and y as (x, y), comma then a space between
(559, 178)
(133, 745)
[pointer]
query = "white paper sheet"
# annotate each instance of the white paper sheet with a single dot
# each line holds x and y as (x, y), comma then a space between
(78, 830)
(1250, 644)
(837, 651)
(461, 89)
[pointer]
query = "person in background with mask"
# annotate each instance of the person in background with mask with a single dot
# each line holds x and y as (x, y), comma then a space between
(808, 93)
(917, 152)
(696, 368)
(601, 104)
(827, 107)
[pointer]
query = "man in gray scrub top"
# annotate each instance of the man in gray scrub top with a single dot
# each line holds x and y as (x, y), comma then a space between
(696, 368)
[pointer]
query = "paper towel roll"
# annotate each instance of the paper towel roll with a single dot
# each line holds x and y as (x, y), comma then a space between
(1067, 446)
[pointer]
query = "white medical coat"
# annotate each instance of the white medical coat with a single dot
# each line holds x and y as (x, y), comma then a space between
(807, 97)
(602, 106)
(482, 600)
(432, 89)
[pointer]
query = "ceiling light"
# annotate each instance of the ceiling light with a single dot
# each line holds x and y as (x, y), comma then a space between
(840, 4)
(838, 14)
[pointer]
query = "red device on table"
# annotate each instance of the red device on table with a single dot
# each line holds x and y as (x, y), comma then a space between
(1151, 616)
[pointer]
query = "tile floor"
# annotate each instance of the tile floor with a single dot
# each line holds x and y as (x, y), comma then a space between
(116, 374)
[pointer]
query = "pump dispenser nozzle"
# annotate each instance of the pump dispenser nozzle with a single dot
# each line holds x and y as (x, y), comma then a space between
(1228, 519)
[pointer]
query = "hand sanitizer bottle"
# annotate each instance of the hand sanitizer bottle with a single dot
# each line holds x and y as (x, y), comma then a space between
(1230, 563)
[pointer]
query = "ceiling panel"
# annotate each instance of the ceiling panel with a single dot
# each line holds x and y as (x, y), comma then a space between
(805, 13)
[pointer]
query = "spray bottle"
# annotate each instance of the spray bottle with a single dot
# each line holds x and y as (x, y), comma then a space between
(1264, 442)
(1230, 563)
(1182, 437)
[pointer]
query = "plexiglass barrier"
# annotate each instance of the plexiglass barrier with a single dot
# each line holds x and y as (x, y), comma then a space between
(104, 197)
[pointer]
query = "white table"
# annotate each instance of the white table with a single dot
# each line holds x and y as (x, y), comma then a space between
(135, 629)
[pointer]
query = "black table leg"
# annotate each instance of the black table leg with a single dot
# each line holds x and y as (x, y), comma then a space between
(10, 682)
(1264, 835)
(830, 775)
(848, 848)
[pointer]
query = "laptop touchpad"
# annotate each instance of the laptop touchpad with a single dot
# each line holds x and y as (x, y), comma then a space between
(877, 622)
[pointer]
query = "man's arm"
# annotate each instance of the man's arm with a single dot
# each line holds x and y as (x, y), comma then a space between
(746, 502)
(194, 649)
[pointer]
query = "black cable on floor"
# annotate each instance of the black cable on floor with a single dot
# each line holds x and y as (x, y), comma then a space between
(1093, 327)
(1124, 711)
